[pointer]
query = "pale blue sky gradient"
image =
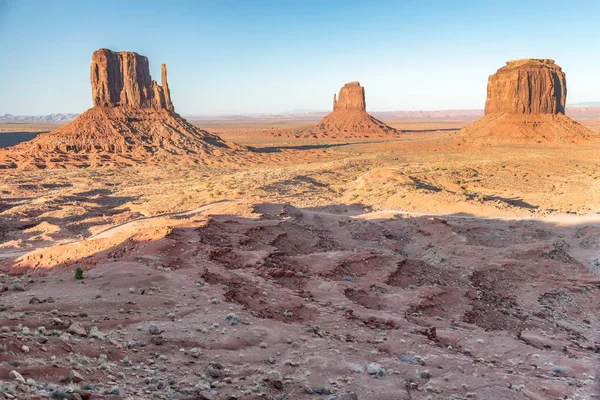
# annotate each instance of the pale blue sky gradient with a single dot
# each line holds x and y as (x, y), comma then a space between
(227, 57)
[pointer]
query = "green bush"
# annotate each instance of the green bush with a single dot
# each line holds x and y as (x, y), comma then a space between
(78, 273)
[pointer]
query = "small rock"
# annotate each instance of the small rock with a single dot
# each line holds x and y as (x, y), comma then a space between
(195, 352)
(75, 377)
(153, 330)
(157, 340)
(206, 395)
(15, 376)
(215, 370)
(25, 349)
(375, 369)
(344, 396)
(77, 329)
(233, 319)
(18, 287)
(95, 333)
(274, 377)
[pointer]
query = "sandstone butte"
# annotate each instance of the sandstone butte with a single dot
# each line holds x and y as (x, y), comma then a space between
(132, 122)
(525, 104)
(349, 118)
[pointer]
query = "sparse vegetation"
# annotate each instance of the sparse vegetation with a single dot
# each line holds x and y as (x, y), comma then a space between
(78, 273)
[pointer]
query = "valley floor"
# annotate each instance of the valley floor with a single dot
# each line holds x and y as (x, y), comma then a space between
(391, 269)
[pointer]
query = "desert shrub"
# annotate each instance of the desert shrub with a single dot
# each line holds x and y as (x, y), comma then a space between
(78, 273)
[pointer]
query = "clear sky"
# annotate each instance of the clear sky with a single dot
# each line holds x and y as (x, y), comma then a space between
(253, 56)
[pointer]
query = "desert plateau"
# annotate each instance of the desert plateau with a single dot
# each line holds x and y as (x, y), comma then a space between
(152, 253)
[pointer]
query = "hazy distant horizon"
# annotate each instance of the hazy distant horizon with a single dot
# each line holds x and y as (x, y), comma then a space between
(231, 57)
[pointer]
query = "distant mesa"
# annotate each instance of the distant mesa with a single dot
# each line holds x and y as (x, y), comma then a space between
(349, 118)
(132, 122)
(525, 104)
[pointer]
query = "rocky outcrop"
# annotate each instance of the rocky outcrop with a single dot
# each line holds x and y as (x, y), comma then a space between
(525, 105)
(132, 122)
(528, 86)
(123, 79)
(352, 97)
(349, 118)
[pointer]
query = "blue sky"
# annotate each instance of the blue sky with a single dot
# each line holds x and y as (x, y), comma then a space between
(274, 56)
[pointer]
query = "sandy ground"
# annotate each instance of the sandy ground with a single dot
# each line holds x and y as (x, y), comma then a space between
(401, 269)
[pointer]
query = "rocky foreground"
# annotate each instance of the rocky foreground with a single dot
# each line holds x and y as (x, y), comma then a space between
(322, 303)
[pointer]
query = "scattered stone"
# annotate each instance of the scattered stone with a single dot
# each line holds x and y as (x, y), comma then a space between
(215, 370)
(344, 396)
(77, 329)
(15, 376)
(375, 370)
(275, 378)
(75, 377)
(154, 330)
(233, 319)
(95, 333)
(18, 287)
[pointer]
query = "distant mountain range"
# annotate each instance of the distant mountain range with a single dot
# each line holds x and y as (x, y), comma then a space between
(590, 107)
(49, 117)
(585, 104)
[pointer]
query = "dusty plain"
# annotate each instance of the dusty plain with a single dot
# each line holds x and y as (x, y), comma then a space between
(381, 269)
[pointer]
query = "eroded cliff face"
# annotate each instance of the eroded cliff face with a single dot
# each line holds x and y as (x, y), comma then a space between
(352, 97)
(525, 105)
(349, 118)
(123, 79)
(527, 86)
(132, 122)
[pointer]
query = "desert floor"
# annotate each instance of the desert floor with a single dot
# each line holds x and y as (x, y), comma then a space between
(392, 269)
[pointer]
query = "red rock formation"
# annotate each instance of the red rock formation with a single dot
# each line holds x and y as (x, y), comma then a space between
(132, 122)
(349, 118)
(528, 86)
(123, 79)
(165, 87)
(525, 105)
(352, 97)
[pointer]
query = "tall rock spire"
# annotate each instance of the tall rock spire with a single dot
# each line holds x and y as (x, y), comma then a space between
(165, 87)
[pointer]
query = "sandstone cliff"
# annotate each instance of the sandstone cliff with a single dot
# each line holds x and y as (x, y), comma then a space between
(525, 105)
(349, 118)
(352, 97)
(528, 86)
(123, 79)
(132, 122)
